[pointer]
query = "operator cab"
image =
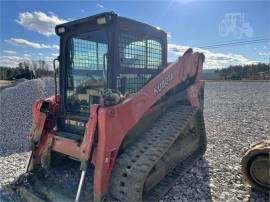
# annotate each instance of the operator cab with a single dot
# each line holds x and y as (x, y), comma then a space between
(104, 51)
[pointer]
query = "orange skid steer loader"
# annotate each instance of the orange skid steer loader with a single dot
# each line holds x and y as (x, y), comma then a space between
(132, 121)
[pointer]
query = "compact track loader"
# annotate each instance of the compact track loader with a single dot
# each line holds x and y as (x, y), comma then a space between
(131, 122)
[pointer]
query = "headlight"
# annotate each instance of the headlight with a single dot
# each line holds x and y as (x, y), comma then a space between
(61, 30)
(101, 20)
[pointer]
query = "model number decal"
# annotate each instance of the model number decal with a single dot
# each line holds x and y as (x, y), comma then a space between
(163, 83)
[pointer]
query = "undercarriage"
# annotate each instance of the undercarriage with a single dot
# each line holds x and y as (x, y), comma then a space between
(145, 170)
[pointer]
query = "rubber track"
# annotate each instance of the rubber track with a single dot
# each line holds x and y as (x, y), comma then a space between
(163, 187)
(132, 167)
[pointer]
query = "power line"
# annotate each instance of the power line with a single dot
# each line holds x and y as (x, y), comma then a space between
(236, 43)
(231, 41)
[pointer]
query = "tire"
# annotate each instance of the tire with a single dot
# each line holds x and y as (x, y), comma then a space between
(256, 165)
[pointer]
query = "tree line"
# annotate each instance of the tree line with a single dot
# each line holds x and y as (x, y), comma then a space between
(25, 70)
(260, 71)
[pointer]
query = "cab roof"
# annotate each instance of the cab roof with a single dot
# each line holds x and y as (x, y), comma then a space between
(111, 15)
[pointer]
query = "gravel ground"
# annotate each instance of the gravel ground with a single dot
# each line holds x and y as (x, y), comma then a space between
(236, 115)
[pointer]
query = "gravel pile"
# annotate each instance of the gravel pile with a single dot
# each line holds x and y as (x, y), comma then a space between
(15, 123)
(16, 112)
(236, 115)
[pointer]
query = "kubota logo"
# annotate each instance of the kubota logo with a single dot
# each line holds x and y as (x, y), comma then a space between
(163, 83)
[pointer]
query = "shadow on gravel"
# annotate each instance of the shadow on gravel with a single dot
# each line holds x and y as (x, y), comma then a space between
(255, 195)
(6, 152)
(193, 185)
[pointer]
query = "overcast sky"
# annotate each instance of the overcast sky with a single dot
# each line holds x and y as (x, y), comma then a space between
(27, 27)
